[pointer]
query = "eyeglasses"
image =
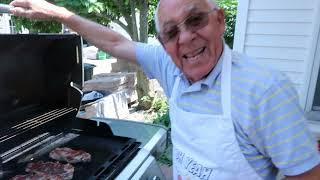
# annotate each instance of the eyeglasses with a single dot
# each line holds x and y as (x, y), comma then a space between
(192, 23)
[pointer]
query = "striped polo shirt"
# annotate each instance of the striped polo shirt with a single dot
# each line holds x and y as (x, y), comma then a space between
(269, 123)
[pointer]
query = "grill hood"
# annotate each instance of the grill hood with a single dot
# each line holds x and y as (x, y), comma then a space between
(39, 70)
(40, 81)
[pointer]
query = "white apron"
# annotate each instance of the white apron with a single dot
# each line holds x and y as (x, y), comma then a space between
(205, 145)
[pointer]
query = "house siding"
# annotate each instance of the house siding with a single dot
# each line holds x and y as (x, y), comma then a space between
(278, 34)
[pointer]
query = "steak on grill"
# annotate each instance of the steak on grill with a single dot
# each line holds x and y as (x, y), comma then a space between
(70, 155)
(51, 168)
(37, 177)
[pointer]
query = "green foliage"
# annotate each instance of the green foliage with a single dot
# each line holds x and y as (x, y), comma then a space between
(82, 6)
(159, 104)
(160, 109)
(152, 8)
(35, 26)
(101, 11)
(230, 8)
(91, 9)
(161, 117)
(166, 156)
(147, 99)
(145, 102)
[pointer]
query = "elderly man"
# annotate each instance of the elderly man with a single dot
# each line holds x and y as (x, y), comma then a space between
(231, 118)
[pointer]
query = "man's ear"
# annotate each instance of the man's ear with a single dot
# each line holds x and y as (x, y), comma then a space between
(221, 20)
(221, 15)
(164, 47)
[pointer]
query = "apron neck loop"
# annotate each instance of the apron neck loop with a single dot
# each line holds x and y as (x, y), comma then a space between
(226, 82)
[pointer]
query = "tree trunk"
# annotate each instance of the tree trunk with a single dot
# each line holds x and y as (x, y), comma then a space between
(143, 88)
(141, 35)
(144, 9)
(134, 27)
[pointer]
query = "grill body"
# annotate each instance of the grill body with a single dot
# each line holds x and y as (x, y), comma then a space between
(41, 77)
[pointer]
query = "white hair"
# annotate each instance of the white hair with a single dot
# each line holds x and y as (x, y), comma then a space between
(156, 15)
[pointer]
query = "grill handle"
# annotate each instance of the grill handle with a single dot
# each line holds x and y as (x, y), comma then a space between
(4, 8)
(76, 87)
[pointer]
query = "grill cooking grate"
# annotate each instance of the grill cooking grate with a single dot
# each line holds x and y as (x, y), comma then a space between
(109, 155)
(33, 123)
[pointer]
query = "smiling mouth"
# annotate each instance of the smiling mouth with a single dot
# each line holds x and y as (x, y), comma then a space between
(194, 54)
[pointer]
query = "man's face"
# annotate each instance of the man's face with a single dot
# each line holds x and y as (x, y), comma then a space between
(195, 52)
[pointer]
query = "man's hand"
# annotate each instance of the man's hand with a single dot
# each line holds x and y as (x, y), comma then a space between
(37, 9)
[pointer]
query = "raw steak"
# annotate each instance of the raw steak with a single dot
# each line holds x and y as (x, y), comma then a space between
(37, 177)
(70, 155)
(51, 168)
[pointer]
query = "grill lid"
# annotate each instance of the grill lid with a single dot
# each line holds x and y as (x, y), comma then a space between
(38, 75)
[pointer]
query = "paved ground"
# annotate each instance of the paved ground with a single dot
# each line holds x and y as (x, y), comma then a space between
(135, 116)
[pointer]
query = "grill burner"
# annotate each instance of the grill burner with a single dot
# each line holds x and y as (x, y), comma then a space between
(38, 109)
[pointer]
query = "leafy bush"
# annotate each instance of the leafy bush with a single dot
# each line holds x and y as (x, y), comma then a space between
(230, 9)
(161, 109)
(166, 156)
(159, 104)
(145, 102)
(162, 119)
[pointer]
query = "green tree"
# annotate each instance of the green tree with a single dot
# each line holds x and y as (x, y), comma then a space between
(35, 26)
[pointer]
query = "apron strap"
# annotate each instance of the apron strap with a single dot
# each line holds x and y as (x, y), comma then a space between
(226, 82)
(174, 93)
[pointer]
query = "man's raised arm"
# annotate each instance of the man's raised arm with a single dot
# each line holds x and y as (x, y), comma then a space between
(98, 35)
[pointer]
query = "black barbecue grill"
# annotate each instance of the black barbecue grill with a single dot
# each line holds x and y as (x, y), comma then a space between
(40, 81)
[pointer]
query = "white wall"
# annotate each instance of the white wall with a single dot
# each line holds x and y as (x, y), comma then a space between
(4, 24)
(280, 34)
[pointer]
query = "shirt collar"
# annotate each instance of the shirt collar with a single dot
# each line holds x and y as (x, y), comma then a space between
(177, 72)
(209, 81)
